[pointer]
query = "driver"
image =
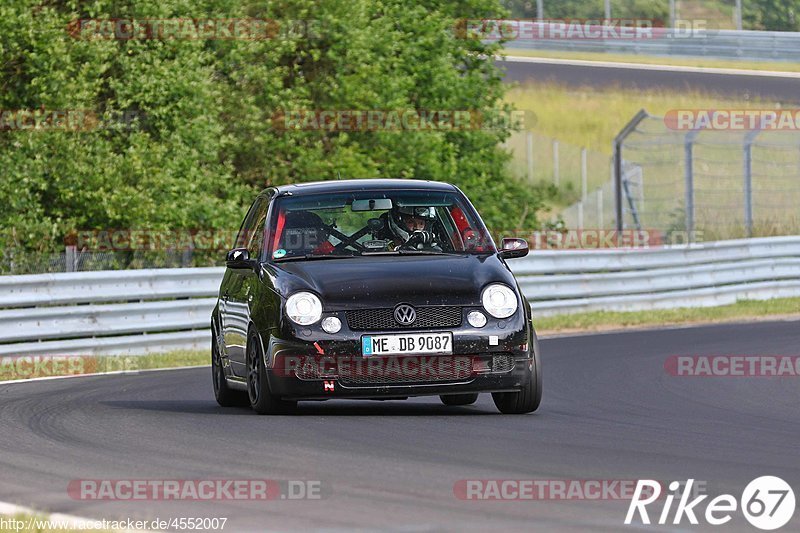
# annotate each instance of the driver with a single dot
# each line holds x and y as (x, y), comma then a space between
(412, 228)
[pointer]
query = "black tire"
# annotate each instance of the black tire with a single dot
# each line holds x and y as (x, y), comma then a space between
(528, 399)
(459, 399)
(224, 395)
(261, 398)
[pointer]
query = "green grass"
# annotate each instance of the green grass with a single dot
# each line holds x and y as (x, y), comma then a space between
(18, 369)
(777, 66)
(591, 117)
(742, 310)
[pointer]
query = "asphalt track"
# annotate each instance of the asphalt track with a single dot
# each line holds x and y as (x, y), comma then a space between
(771, 88)
(610, 411)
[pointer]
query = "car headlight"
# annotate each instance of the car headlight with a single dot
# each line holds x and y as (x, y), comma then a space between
(303, 308)
(499, 301)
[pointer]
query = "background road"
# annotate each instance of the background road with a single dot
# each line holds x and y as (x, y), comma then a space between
(580, 74)
(609, 412)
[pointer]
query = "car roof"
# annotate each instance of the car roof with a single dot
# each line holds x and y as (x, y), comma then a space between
(351, 185)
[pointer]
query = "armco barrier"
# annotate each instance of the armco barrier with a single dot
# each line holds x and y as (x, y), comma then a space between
(140, 311)
(745, 45)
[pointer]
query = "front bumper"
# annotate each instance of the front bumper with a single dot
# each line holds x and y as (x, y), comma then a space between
(313, 365)
(288, 387)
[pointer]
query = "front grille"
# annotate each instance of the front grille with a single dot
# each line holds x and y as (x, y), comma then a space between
(383, 319)
(502, 363)
(442, 374)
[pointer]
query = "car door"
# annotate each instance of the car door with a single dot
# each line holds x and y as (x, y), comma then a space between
(240, 286)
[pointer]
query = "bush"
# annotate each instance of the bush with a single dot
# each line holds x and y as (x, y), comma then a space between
(204, 140)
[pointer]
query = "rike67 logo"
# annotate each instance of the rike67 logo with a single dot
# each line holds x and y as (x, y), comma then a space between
(767, 502)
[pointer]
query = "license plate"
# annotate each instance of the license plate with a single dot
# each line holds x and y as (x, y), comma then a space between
(409, 343)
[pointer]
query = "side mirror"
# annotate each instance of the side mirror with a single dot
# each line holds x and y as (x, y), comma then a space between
(238, 258)
(512, 248)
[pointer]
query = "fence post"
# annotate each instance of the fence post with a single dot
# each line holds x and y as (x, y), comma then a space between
(748, 188)
(555, 163)
(69, 258)
(580, 215)
(600, 208)
(688, 177)
(584, 176)
(529, 154)
(749, 139)
(617, 163)
(738, 14)
(672, 13)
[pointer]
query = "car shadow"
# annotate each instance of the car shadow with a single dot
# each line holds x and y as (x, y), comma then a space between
(309, 408)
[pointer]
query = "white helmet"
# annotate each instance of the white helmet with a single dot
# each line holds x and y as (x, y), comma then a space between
(398, 213)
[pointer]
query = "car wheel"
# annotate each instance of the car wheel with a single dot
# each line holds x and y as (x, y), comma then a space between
(525, 401)
(261, 398)
(224, 395)
(459, 399)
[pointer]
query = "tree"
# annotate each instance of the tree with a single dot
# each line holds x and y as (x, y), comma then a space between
(772, 15)
(207, 137)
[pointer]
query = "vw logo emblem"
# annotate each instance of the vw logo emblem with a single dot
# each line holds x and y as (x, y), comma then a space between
(405, 314)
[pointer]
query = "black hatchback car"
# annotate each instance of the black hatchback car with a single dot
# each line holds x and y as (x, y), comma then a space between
(371, 289)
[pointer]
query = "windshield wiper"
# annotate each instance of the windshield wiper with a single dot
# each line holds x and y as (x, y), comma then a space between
(311, 257)
(426, 252)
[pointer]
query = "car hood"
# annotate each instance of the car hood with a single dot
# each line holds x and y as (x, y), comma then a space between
(385, 281)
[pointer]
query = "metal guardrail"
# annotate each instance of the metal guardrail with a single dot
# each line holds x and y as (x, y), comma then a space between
(143, 311)
(107, 312)
(681, 42)
(704, 275)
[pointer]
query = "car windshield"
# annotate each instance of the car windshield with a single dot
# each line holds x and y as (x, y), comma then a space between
(375, 223)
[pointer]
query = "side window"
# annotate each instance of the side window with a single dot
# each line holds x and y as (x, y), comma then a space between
(253, 227)
(255, 244)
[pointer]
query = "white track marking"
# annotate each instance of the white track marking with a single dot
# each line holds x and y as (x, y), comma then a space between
(112, 373)
(645, 66)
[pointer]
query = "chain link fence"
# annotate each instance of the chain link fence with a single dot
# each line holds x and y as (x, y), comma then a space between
(575, 172)
(712, 183)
